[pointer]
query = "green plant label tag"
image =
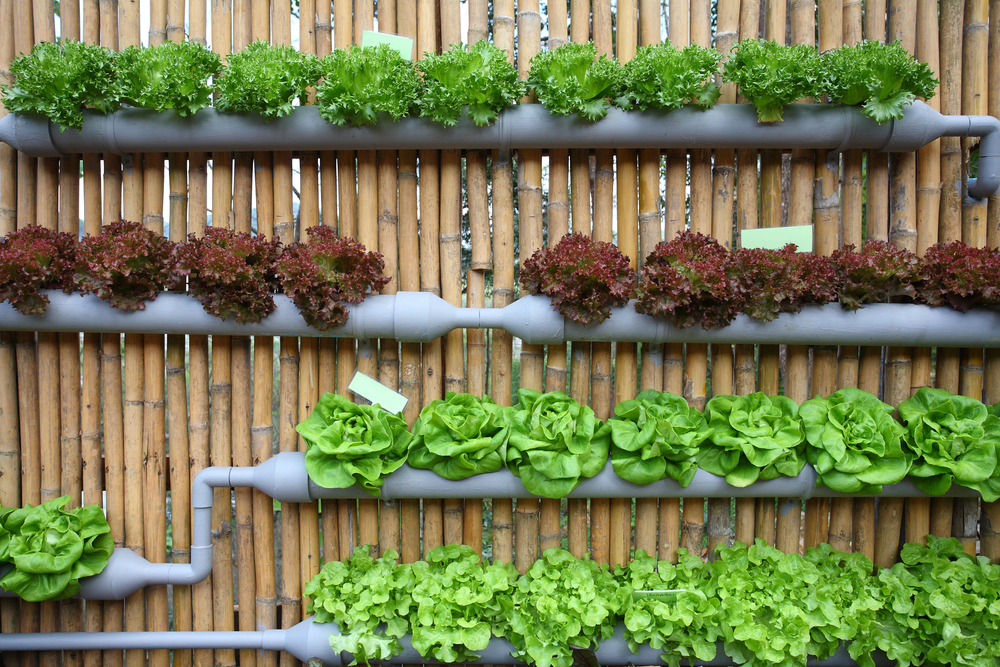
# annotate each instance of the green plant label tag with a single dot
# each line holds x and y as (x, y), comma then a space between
(777, 238)
(669, 595)
(402, 44)
(376, 392)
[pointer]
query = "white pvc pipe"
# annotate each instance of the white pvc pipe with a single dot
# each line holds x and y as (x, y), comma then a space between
(832, 127)
(423, 317)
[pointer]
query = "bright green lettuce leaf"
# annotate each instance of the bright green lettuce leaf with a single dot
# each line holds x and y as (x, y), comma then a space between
(173, 75)
(370, 601)
(554, 442)
(51, 548)
(883, 77)
(773, 75)
(352, 444)
(952, 438)
(360, 83)
(459, 437)
(478, 77)
(686, 627)
(656, 435)
(753, 437)
(59, 80)
(853, 442)
(458, 603)
(571, 79)
(662, 76)
(265, 79)
(561, 602)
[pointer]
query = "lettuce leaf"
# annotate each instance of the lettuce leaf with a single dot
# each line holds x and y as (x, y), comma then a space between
(459, 437)
(361, 83)
(772, 76)
(572, 80)
(169, 76)
(665, 77)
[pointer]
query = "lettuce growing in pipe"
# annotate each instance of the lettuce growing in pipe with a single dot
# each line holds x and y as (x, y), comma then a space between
(52, 547)
(664, 77)
(352, 444)
(656, 435)
(34, 258)
(753, 437)
(685, 626)
(572, 79)
(773, 75)
(554, 442)
(953, 439)
(265, 79)
(461, 436)
(369, 600)
(361, 83)
(853, 442)
(169, 76)
(457, 603)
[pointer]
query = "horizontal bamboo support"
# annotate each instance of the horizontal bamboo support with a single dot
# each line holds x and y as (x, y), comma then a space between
(527, 126)
(422, 317)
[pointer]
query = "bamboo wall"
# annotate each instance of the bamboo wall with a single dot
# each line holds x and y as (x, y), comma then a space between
(159, 409)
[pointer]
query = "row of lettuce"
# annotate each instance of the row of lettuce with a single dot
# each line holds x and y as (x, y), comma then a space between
(691, 279)
(552, 443)
(362, 85)
(937, 606)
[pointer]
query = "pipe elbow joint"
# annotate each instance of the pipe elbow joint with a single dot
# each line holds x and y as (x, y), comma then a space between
(987, 180)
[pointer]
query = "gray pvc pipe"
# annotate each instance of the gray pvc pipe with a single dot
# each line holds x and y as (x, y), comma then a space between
(308, 640)
(422, 317)
(823, 126)
(283, 477)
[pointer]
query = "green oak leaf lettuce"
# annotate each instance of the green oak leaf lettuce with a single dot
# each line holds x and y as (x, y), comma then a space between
(361, 83)
(853, 442)
(352, 444)
(459, 437)
(458, 603)
(571, 79)
(554, 442)
(753, 437)
(52, 547)
(562, 602)
(656, 435)
(370, 601)
(953, 439)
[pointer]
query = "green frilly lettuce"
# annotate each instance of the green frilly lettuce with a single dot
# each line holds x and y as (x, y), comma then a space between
(352, 444)
(853, 442)
(459, 437)
(656, 435)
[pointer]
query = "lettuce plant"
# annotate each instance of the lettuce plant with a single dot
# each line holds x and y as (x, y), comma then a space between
(458, 603)
(361, 83)
(231, 274)
(351, 444)
(953, 439)
(459, 437)
(318, 276)
(32, 259)
(562, 602)
(689, 280)
(664, 77)
(126, 265)
(772, 75)
(777, 608)
(554, 443)
(584, 278)
(782, 281)
(370, 601)
(173, 75)
(853, 442)
(878, 272)
(656, 435)
(940, 607)
(961, 277)
(479, 77)
(883, 77)
(571, 79)
(753, 437)
(265, 79)
(686, 627)
(52, 547)
(59, 80)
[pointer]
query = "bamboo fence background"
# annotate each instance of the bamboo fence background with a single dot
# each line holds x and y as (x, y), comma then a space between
(160, 409)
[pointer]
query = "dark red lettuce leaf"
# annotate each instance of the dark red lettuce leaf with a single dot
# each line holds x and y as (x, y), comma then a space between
(328, 270)
(961, 277)
(584, 278)
(782, 281)
(875, 274)
(32, 259)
